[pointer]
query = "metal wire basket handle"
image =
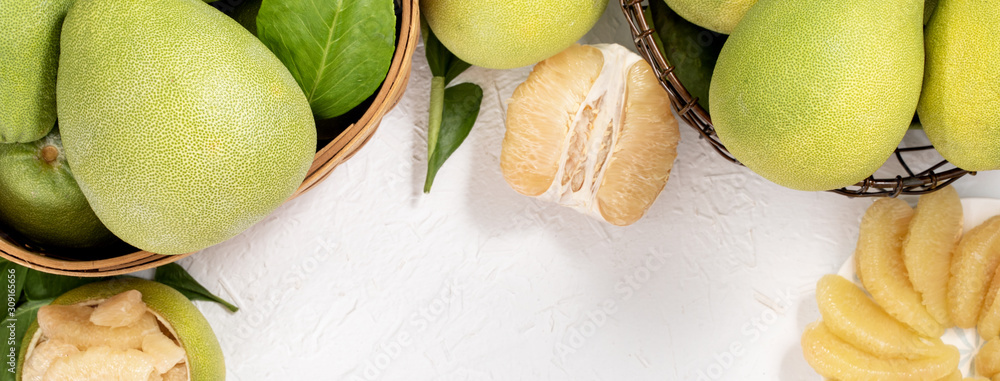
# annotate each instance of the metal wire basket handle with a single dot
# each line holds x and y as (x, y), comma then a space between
(686, 106)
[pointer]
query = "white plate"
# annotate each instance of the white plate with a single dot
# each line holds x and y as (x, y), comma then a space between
(975, 211)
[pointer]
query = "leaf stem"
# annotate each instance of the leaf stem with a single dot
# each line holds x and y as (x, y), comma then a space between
(434, 119)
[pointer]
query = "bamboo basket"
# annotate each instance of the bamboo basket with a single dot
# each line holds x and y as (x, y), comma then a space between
(910, 181)
(341, 148)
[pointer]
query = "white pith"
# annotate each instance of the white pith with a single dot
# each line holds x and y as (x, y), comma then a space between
(599, 118)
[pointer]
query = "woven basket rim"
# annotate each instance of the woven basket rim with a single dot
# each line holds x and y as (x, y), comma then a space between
(688, 109)
(345, 145)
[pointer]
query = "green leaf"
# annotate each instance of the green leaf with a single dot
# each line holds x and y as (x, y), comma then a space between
(461, 108)
(19, 323)
(14, 278)
(440, 60)
(41, 286)
(339, 51)
(175, 276)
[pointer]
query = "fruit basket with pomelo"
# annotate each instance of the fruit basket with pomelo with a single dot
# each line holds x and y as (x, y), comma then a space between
(769, 130)
(340, 131)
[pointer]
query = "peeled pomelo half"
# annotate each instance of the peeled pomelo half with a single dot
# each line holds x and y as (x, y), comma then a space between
(179, 322)
(591, 129)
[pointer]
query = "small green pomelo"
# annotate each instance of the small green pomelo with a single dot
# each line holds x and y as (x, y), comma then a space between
(504, 34)
(816, 95)
(29, 52)
(204, 356)
(960, 104)
(182, 128)
(716, 15)
(40, 199)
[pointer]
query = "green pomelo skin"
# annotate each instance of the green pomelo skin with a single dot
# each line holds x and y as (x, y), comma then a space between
(816, 95)
(203, 352)
(29, 52)
(40, 199)
(716, 15)
(182, 129)
(505, 34)
(960, 105)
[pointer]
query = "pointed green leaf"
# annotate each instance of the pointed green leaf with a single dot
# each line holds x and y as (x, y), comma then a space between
(175, 276)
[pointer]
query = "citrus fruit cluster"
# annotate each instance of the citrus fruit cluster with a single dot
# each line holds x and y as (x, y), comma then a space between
(591, 129)
(923, 276)
(125, 329)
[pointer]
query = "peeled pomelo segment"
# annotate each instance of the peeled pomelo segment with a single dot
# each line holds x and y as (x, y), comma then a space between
(611, 155)
(879, 263)
(42, 357)
(163, 350)
(835, 358)
(934, 233)
(540, 116)
(856, 319)
(101, 364)
(988, 359)
(989, 316)
(177, 373)
(973, 265)
(954, 376)
(644, 152)
(119, 310)
(72, 324)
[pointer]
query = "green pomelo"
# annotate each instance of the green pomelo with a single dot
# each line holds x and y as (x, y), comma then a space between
(29, 52)
(716, 15)
(40, 199)
(204, 356)
(691, 49)
(817, 95)
(960, 105)
(182, 129)
(504, 34)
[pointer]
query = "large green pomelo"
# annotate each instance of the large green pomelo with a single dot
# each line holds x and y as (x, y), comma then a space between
(182, 129)
(816, 95)
(960, 105)
(29, 52)
(204, 356)
(40, 199)
(504, 34)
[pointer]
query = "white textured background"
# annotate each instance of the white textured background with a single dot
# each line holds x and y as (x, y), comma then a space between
(366, 278)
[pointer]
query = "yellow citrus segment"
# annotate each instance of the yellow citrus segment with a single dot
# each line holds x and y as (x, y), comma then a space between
(644, 153)
(119, 310)
(45, 353)
(71, 324)
(973, 265)
(879, 263)
(163, 351)
(988, 359)
(177, 373)
(989, 315)
(540, 114)
(835, 358)
(856, 319)
(933, 235)
(102, 364)
(954, 376)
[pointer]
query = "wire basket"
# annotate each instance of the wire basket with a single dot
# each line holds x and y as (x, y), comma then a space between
(330, 155)
(910, 182)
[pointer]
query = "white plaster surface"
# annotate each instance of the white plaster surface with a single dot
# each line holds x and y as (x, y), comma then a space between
(367, 278)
